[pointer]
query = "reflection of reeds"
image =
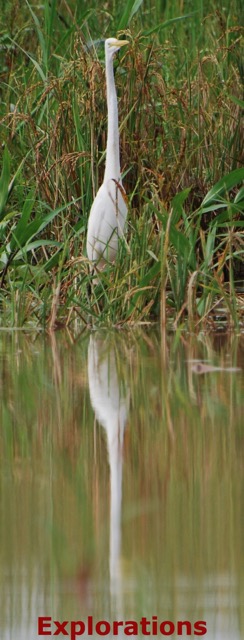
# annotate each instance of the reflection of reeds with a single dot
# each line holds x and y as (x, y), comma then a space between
(182, 497)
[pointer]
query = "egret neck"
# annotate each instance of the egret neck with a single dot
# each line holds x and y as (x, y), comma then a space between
(112, 166)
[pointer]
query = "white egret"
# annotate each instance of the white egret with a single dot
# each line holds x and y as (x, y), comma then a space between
(109, 210)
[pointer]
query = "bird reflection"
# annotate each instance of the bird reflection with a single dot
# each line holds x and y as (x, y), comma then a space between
(202, 367)
(110, 401)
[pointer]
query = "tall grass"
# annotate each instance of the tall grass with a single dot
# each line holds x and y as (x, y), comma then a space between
(180, 105)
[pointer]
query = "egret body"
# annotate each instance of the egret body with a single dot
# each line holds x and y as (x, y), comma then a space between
(109, 210)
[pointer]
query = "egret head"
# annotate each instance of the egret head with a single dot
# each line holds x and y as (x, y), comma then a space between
(112, 45)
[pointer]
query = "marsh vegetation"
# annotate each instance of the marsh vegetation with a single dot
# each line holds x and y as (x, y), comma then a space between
(180, 88)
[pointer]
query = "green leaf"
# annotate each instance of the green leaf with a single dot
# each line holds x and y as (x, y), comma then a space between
(213, 207)
(209, 246)
(6, 257)
(222, 217)
(34, 62)
(130, 9)
(24, 233)
(239, 196)
(230, 209)
(237, 101)
(177, 238)
(144, 282)
(177, 203)
(4, 182)
(36, 244)
(38, 67)
(40, 36)
(37, 225)
(53, 261)
(234, 223)
(224, 185)
(20, 233)
(167, 23)
(152, 255)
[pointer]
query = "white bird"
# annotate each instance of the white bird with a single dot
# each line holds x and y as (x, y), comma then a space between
(109, 209)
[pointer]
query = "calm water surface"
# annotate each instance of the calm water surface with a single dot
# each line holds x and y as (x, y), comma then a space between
(121, 483)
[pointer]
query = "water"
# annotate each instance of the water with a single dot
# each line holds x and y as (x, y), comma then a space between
(121, 485)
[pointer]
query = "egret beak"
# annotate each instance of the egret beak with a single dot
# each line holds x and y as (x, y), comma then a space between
(118, 43)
